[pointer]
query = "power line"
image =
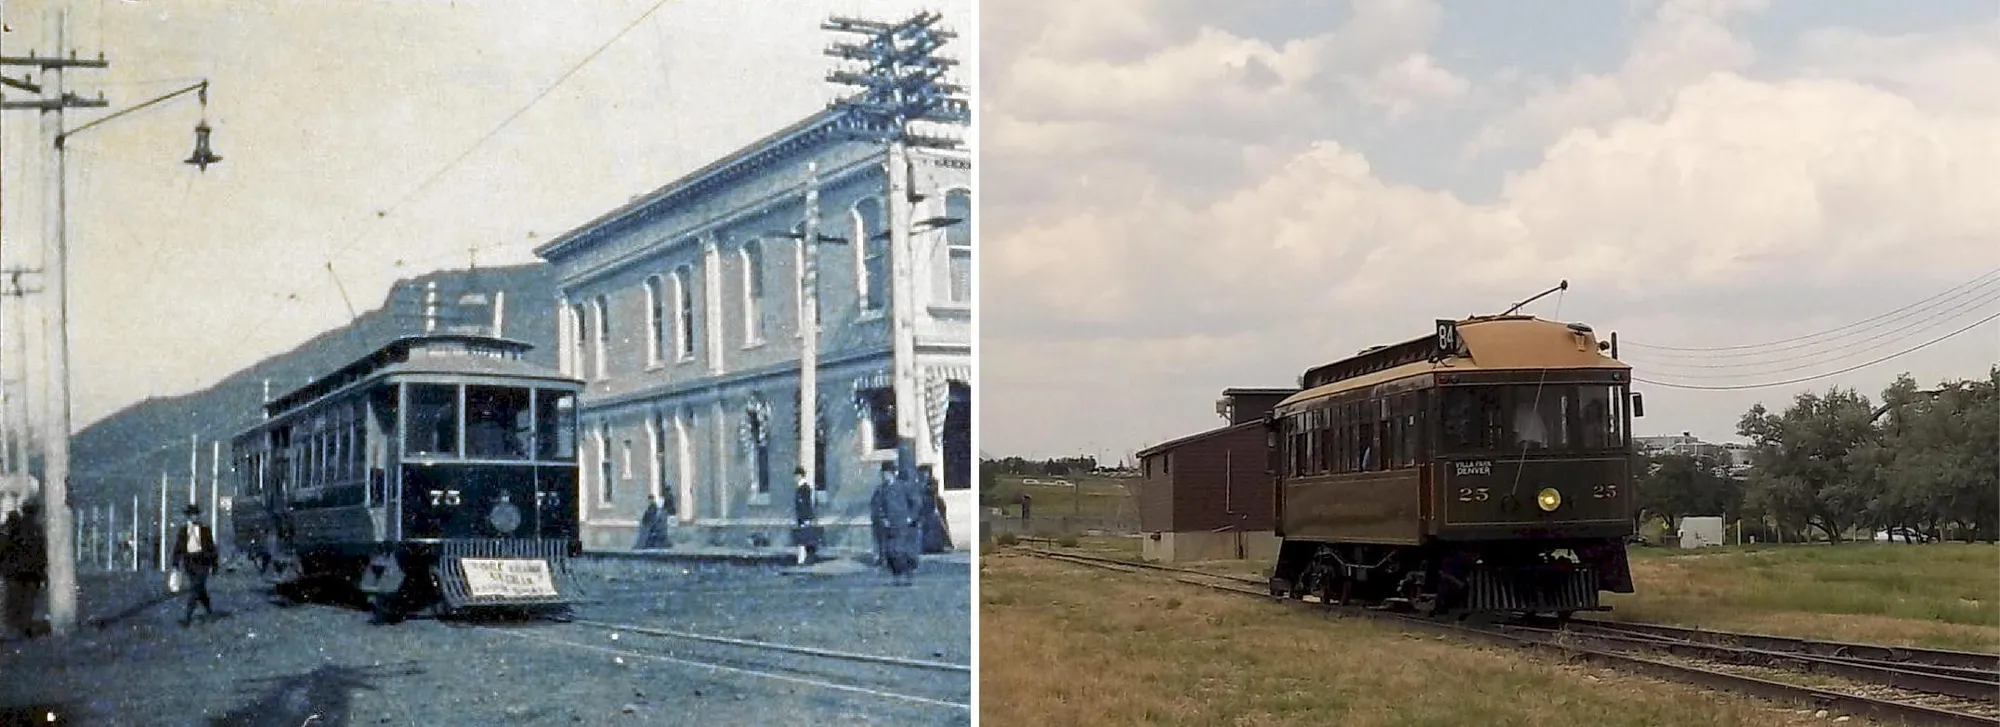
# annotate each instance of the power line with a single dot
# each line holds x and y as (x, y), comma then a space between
(1855, 367)
(1846, 351)
(439, 174)
(1766, 345)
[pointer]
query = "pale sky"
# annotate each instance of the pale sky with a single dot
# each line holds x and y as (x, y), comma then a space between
(327, 114)
(1184, 196)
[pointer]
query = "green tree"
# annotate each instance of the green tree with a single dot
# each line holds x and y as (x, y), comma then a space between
(1938, 459)
(1678, 485)
(1812, 464)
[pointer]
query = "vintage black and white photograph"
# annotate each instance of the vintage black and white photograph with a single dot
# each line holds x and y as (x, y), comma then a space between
(451, 363)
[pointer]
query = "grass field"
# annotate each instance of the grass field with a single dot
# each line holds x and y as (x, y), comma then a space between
(1066, 645)
(1097, 498)
(1942, 595)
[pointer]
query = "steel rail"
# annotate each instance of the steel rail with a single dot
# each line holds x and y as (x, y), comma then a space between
(1777, 691)
(1984, 662)
(786, 648)
(1983, 689)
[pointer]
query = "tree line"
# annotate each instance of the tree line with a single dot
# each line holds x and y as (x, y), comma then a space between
(1923, 461)
(1056, 467)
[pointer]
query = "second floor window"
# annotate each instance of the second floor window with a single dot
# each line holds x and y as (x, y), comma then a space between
(958, 244)
(656, 320)
(753, 293)
(684, 310)
(602, 339)
(871, 243)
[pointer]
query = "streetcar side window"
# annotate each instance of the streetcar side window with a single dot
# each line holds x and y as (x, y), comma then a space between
(496, 422)
(555, 425)
(433, 419)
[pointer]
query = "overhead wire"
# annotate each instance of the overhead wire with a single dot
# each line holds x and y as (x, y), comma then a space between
(1979, 281)
(544, 93)
(1828, 374)
(1846, 351)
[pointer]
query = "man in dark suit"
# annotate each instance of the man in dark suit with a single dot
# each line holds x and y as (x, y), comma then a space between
(24, 563)
(194, 554)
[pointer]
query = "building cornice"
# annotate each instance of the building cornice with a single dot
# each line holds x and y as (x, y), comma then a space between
(825, 127)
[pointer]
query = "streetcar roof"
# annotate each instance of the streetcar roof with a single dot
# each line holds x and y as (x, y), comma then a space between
(467, 355)
(1492, 343)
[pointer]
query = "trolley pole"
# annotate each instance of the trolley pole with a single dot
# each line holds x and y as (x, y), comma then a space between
(214, 482)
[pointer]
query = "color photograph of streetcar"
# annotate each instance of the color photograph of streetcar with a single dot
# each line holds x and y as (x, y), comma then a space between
(1485, 468)
(438, 472)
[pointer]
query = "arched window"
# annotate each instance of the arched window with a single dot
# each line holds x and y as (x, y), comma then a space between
(576, 338)
(958, 244)
(871, 246)
(753, 292)
(602, 339)
(656, 320)
(684, 310)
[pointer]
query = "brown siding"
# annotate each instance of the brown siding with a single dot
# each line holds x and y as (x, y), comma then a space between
(1222, 480)
(1156, 496)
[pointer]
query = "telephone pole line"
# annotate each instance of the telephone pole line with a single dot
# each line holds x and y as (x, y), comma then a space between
(900, 78)
(55, 98)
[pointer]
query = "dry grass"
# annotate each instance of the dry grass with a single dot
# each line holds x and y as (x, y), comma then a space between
(1065, 645)
(1944, 595)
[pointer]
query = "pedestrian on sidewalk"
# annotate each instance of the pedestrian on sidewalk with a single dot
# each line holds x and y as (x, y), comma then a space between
(194, 554)
(937, 539)
(878, 524)
(899, 508)
(805, 535)
(653, 525)
(24, 562)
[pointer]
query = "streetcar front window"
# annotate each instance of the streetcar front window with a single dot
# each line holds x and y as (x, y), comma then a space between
(555, 425)
(433, 420)
(496, 422)
(1528, 418)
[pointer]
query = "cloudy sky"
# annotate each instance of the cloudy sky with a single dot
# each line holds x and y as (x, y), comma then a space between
(1182, 196)
(340, 124)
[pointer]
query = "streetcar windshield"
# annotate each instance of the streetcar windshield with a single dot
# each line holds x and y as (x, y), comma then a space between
(433, 420)
(555, 425)
(1532, 417)
(496, 422)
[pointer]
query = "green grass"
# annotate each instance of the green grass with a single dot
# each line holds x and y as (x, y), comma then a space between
(1945, 594)
(1066, 645)
(1092, 497)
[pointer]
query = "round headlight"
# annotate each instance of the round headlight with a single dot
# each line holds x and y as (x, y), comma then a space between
(1548, 499)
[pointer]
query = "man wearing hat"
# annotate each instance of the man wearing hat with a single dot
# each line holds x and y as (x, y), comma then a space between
(24, 563)
(194, 554)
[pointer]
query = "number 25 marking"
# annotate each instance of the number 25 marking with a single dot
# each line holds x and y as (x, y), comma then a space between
(1603, 492)
(1473, 494)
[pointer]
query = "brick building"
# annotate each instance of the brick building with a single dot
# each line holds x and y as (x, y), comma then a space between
(682, 311)
(1210, 495)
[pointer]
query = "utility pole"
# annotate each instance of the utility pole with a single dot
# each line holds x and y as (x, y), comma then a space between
(194, 468)
(55, 98)
(809, 333)
(901, 80)
(214, 482)
(163, 522)
(15, 341)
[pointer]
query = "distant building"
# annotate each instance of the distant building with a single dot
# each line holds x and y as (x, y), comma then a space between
(682, 311)
(1733, 459)
(1210, 495)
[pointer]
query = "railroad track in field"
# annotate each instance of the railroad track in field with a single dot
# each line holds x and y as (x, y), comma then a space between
(1889, 683)
(936, 684)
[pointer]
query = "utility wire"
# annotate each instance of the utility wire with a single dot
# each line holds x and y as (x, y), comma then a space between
(1855, 367)
(1845, 351)
(1768, 344)
(439, 174)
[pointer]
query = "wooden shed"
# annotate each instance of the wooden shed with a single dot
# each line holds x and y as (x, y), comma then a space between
(1210, 495)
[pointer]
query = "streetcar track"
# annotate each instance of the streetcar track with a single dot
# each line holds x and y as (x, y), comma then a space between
(1562, 643)
(713, 666)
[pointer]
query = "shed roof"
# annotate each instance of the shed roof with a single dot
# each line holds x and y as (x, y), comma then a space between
(1189, 439)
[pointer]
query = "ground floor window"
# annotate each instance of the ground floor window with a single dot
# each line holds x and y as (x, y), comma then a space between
(957, 445)
(878, 411)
